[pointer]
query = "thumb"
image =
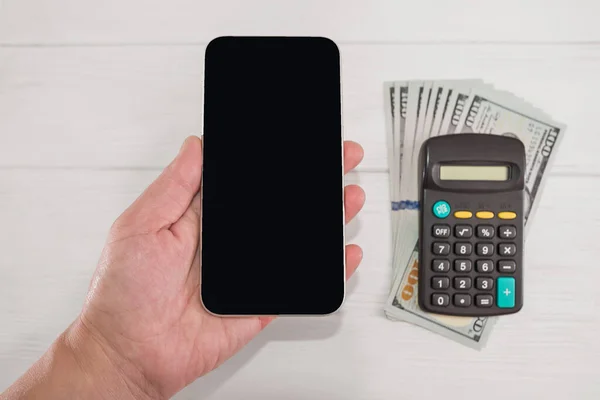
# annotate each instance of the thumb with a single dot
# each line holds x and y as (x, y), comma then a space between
(170, 195)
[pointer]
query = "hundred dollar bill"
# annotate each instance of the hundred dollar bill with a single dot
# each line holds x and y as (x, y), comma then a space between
(402, 305)
(390, 115)
(400, 129)
(487, 112)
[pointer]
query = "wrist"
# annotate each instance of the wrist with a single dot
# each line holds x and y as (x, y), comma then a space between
(106, 374)
(78, 365)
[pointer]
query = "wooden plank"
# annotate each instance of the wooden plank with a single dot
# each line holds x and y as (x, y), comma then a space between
(185, 21)
(56, 221)
(123, 107)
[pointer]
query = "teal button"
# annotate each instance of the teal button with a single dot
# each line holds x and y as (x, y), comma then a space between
(441, 209)
(505, 295)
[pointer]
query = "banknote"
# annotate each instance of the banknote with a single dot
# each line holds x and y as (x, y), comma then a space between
(541, 136)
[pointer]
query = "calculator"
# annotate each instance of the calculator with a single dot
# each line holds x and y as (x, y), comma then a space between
(471, 224)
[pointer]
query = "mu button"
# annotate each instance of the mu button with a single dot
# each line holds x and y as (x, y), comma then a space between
(507, 215)
(484, 214)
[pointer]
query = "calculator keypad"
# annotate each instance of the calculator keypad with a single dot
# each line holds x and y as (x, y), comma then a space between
(474, 261)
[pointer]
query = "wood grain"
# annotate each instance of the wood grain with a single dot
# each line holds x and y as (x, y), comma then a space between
(133, 106)
(190, 21)
(59, 220)
(96, 97)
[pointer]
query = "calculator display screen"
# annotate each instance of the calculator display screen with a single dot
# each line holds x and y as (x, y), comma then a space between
(474, 173)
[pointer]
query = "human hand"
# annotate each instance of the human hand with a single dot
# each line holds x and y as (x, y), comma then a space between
(143, 308)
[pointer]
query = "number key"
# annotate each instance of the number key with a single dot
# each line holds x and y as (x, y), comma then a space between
(440, 265)
(482, 283)
(463, 249)
(462, 283)
(441, 300)
(463, 231)
(484, 265)
(485, 249)
(440, 282)
(441, 231)
(441, 249)
(462, 265)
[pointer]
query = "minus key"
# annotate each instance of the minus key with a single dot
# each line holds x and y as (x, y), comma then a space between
(507, 266)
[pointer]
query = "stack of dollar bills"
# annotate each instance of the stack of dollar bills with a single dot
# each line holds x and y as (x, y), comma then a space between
(418, 110)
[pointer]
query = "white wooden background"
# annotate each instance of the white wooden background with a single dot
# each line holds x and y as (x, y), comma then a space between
(96, 97)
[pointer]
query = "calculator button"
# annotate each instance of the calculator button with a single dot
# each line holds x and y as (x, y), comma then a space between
(507, 215)
(483, 283)
(441, 249)
(484, 265)
(440, 282)
(485, 249)
(484, 300)
(462, 300)
(440, 300)
(484, 214)
(463, 249)
(441, 209)
(440, 265)
(463, 214)
(485, 231)
(462, 265)
(463, 231)
(507, 231)
(506, 292)
(441, 231)
(507, 249)
(462, 283)
(507, 266)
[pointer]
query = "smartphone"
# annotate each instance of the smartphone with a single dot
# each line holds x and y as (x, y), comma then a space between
(272, 227)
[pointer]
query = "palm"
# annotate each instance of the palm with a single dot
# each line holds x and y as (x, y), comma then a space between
(154, 317)
(144, 301)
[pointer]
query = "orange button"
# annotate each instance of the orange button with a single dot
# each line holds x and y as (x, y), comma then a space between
(484, 214)
(463, 214)
(507, 215)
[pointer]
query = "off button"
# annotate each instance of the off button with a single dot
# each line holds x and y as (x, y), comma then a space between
(441, 209)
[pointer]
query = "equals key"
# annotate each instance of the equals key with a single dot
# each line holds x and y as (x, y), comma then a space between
(484, 300)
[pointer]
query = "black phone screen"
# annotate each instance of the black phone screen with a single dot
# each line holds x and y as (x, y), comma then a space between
(272, 187)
